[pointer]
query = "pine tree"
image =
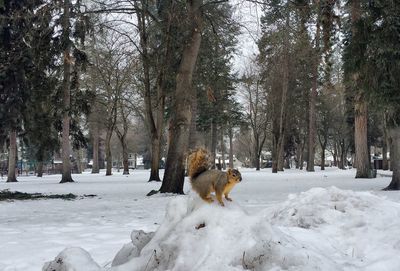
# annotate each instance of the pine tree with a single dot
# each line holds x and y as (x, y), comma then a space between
(74, 26)
(382, 69)
(16, 22)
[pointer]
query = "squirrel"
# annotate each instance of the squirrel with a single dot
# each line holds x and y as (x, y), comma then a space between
(205, 180)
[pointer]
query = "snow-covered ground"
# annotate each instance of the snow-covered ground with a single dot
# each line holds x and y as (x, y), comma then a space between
(288, 221)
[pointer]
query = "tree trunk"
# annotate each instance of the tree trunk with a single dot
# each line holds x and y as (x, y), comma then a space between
(125, 156)
(323, 148)
(298, 155)
(155, 160)
(175, 166)
(335, 154)
(287, 163)
(362, 160)
(223, 165)
(66, 86)
(193, 125)
(256, 161)
(78, 161)
(95, 166)
(285, 87)
(313, 98)
(275, 151)
(213, 143)
(108, 153)
(385, 163)
(301, 159)
(12, 157)
(231, 148)
(394, 159)
(155, 124)
(40, 169)
(390, 141)
(125, 162)
(281, 158)
(301, 155)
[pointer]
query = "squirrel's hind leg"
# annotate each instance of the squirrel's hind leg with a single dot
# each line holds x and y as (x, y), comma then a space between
(207, 198)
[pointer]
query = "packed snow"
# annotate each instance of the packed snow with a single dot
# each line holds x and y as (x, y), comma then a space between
(294, 220)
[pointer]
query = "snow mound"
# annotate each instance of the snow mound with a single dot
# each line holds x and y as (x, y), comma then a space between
(321, 229)
(72, 259)
(319, 206)
(200, 236)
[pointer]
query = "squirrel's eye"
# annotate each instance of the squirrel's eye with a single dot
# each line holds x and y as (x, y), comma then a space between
(234, 175)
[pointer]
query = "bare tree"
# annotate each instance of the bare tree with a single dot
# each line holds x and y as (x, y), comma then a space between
(256, 112)
(121, 129)
(113, 64)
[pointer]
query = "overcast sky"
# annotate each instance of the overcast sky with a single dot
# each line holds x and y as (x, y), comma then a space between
(248, 15)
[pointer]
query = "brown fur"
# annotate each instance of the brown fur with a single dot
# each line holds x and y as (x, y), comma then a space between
(198, 163)
(205, 181)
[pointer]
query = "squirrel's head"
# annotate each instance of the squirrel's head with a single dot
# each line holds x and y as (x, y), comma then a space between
(234, 174)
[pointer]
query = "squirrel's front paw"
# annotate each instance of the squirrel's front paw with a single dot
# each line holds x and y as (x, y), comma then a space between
(221, 203)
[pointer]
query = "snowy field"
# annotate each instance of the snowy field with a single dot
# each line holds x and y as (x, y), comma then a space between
(294, 220)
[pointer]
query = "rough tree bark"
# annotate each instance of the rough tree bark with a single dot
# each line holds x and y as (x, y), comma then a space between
(12, 157)
(122, 140)
(108, 152)
(275, 146)
(256, 158)
(385, 163)
(394, 159)
(180, 123)
(95, 135)
(125, 158)
(323, 141)
(362, 160)
(281, 156)
(40, 169)
(66, 86)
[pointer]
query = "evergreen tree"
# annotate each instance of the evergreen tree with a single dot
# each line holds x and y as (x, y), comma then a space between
(382, 69)
(41, 116)
(214, 83)
(74, 25)
(16, 21)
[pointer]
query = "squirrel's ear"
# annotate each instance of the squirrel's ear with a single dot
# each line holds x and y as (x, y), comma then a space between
(229, 171)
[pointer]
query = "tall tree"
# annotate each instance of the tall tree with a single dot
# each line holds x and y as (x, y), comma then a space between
(16, 22)
(381, 80)
(113, 65)
(180, 122)
(156, 44)
(355, 60)
(256, 114)
(73, 24)
(66, 92)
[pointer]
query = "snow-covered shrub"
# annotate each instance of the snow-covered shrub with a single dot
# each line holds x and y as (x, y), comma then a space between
(72, 259)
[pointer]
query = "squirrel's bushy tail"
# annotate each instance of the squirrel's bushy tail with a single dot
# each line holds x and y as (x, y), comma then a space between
(198, 163)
